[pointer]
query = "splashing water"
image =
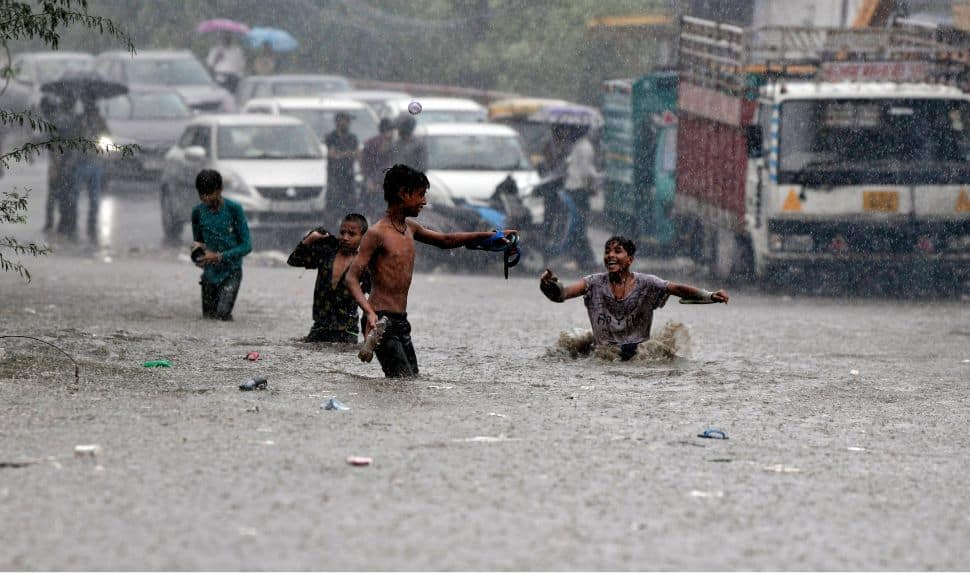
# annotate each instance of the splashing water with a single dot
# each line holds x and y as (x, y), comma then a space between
(672, 342)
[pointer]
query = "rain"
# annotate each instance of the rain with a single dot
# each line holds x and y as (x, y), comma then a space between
(484, 285)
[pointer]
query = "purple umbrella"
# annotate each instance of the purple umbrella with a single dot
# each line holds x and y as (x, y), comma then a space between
(569, 115)
(222, 25)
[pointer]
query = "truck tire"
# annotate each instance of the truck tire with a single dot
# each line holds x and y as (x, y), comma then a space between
(171, 224)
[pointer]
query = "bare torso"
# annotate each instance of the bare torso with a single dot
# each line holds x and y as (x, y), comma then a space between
(392, 267)
(340, 264)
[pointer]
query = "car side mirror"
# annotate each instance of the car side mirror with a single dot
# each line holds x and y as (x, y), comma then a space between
(195, 153)
(755, 141)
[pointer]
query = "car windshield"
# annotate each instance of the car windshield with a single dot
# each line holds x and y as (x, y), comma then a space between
(307, 88)
(160, 106)
(49, 70)
(476, 153)
(268, 142)
(172, 72)
(363, 125)
(451, 116)
(821, 137)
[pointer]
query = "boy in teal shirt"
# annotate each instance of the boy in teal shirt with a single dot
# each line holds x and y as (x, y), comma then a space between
(221, 237)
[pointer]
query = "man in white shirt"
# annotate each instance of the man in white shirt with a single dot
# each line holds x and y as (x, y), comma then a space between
(580, 183)
(227, 62)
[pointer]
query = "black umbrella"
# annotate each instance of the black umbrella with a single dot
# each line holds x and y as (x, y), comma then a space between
(84, 84)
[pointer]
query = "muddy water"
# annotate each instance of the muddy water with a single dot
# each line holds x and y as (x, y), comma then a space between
(846, 423)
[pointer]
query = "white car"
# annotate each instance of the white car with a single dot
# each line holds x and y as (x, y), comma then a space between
(319, 113)
(273, 165)
(376, 99)
(467, 161)
(438, 110)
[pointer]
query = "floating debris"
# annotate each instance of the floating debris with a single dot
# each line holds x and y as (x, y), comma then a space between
(89, 450)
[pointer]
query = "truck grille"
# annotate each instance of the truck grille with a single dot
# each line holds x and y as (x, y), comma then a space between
(292, 193)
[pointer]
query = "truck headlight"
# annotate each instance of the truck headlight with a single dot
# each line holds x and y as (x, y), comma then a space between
(775, 242)
(106, 144)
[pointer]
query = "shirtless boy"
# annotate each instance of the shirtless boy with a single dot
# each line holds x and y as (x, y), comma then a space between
(620, 303)
(387, 251)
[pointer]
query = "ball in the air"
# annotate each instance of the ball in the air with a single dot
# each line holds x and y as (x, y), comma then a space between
(414, 108)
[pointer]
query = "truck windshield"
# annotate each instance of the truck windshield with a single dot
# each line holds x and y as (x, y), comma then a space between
(856, 141)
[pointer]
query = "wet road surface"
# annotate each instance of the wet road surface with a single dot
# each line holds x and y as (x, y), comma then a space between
(846, 420)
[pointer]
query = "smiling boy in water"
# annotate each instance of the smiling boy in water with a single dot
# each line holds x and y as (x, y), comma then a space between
(387, 251)
(620, 302)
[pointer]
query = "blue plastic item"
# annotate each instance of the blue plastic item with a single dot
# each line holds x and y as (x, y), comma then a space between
(713, 433)
(334, 405)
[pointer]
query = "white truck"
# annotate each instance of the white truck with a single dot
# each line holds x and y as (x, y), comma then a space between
(808, 148)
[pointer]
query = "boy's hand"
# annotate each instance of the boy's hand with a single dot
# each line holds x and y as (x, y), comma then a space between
(371, 322)
(314, 236)
(507, 232)
(210, 258)
(720, 296)
(548, 277)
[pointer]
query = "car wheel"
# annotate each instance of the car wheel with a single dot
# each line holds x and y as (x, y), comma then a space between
(171, 224)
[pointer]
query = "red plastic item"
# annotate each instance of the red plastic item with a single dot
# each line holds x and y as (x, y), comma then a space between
(252, 356)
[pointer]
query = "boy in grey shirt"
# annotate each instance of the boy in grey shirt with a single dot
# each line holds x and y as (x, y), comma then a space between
(620, 302)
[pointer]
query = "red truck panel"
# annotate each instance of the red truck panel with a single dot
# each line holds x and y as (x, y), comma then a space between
(712, 153)
(711, 162)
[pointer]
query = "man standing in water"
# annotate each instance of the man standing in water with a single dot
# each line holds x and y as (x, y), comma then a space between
(387, 251)
(620, 302)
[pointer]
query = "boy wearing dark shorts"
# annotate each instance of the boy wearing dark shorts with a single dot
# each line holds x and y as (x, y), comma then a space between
(387, 251)
(221, 236)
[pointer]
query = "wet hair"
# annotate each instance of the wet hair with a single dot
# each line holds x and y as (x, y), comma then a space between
(626, 244)
(358, 219)
(208, 181)
(406, 124)
(385, 125)
(398, 176)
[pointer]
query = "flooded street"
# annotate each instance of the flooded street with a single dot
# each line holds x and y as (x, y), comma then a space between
(846, 421)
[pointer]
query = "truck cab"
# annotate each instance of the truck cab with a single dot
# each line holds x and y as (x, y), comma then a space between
(806, 149)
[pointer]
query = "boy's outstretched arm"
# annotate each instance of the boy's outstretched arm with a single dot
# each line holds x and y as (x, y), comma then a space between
(555, 291)
(451, 240)
(685, 291)
(368, 245)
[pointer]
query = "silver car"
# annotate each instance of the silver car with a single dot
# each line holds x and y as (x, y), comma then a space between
(274, 166)
(175, 69)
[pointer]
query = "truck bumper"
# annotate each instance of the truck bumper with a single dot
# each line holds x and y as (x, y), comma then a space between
(956, 266)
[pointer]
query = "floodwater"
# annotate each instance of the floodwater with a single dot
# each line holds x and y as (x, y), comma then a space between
(846, 421)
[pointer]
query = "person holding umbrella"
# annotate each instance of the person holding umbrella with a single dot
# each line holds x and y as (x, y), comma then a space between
(227, 62)
(86, 166)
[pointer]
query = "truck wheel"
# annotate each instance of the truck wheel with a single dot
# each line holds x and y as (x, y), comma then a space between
(171, 224)
(724, 254)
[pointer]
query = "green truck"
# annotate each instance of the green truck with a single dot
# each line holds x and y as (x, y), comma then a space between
(639, 144)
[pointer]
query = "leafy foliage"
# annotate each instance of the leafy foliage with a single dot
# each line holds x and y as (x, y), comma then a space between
(13, 207)
(41, 21)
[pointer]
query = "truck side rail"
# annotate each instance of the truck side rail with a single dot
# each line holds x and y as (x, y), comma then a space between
(722, 56)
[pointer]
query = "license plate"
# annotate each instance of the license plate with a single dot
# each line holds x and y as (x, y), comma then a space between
(290, 206)
(881, 201)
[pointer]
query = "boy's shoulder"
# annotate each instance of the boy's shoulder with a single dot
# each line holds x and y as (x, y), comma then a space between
(232, 205)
